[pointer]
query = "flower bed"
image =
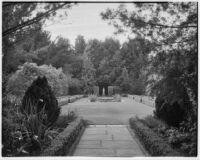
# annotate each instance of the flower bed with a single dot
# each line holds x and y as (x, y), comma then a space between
(63, 144)
(154, 144)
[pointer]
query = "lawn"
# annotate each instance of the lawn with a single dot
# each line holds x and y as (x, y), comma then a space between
(108, 112)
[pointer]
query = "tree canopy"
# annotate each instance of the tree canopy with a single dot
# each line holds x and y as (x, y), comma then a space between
(171, 29)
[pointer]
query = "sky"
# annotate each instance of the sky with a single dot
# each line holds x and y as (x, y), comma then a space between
(84, 19)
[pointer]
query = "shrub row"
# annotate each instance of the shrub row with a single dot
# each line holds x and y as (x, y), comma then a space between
(67, 100)
(62, 144)
(74, 98)
(154, 144)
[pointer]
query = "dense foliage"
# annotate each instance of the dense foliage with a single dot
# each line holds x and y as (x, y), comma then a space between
(172, 69)
(22, 78)
(155, 145)
(24, 125)
(161, 58)
(173, 58)
(183, 138)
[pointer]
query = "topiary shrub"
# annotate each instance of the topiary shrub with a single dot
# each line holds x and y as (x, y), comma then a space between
(39, 97)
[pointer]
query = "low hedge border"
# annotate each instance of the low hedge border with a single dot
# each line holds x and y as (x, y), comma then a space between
(70, 100)
(154, 144)
(63, 144)
(74, 98)
(63, 103)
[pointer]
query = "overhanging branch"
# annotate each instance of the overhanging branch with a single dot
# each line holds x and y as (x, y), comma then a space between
(31, 21)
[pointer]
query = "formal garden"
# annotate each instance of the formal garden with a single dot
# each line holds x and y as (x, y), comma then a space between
(44, 81)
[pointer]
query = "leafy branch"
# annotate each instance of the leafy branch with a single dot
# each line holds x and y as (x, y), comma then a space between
(33, 20)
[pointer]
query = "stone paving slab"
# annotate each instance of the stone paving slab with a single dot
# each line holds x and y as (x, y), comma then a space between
(129, 153)
(94, 152)
(108, 141)
(96, 137)
(120, 144)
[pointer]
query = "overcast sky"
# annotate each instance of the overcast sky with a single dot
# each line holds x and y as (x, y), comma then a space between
(84, 19)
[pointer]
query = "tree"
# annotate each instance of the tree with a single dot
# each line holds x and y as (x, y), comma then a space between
(21, 24)
(88, 75)
(94, 51)
(124, 81)
(18, 23)
(172, 30)
(24, 10)
(156, 25)
(80, 45)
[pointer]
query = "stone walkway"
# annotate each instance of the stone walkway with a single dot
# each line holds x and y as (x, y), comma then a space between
(109, 141)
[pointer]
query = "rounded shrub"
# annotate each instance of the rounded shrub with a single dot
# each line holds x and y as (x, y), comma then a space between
(26, 74)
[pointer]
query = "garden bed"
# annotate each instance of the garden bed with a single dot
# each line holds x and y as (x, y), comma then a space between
(153, 143)
(63, 144)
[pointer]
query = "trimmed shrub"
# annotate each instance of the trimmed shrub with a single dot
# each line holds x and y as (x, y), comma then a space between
(63, 143)
(64, 120)
(26, 74)
(154, 144)
(173, 114)
(39, 99)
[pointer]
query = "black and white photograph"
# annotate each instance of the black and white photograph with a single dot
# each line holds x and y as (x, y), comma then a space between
(99, 79)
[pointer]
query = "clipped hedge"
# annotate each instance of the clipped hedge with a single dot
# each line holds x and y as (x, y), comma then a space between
(74, 98)
(67, 99)
(154, 144)
(62, 145)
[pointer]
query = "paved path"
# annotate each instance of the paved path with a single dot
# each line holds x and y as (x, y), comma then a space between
(108, 141)
(108, 112)
(109, 136)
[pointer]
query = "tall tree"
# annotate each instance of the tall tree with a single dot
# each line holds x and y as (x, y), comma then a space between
(172, 29)
(23, 11)
(124, 81)
(80, 45)
(88, 74)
